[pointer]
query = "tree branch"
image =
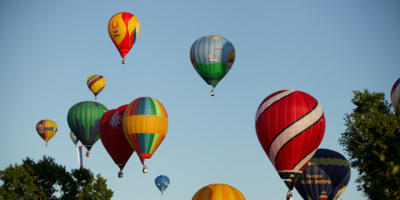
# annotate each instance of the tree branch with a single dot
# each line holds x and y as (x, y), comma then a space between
(359, 142)
(386, 133)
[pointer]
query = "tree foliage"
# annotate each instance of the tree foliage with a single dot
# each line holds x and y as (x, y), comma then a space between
(372, 140)
(46, 179)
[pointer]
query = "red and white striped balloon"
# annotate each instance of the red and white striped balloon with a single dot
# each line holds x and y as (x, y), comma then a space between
(290, 125)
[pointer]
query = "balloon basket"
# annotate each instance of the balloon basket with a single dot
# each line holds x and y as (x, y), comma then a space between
(120, 174)
(212, 92)
(123, 62)
(289, 196)
(144, 169)
(87, 154)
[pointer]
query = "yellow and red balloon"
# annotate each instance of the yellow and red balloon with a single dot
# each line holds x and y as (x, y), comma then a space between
(96, 84)
(124, 30)
(46, 129)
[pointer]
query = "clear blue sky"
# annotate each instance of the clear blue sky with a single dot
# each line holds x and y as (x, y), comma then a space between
(325, 48)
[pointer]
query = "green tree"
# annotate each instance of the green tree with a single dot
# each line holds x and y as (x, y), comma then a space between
(18, 184)
(48, 180)
(372, 140)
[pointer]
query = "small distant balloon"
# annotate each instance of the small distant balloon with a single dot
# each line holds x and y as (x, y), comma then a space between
(74, 138)
(162, 182)
(124, 30)
(96, 84)
(46, 129)
(395, 95)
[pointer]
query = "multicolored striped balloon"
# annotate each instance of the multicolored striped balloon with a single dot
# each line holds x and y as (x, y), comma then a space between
(212, 57)
(395, 95)
(218, 191)
(96, 84)
(46, 129)
(145, 124)
(326, 175)
(290, 125)
(124, 30)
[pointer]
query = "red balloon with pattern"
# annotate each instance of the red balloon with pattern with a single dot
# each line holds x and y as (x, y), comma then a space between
(113, 138)
(290, 125)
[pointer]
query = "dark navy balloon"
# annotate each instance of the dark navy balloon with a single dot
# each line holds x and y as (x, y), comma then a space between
(162, 182)
(325, 177)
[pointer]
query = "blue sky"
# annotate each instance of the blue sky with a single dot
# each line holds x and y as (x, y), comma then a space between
(325, 48)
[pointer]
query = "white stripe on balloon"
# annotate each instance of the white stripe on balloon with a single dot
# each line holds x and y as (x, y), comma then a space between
(305, 160)
(271, 101)
(293, 130)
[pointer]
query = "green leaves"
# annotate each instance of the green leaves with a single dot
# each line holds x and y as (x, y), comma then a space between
(372, 140)
(17, 184)
(45, 179)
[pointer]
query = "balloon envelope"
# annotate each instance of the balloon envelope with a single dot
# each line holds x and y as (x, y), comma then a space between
(96, 83)
(46, 129)
(212, 57)
(145, 124)
(162, 182)
(326, 175)
(124, 30)
(395, 95)
(74, 138)
(218, 191)
(84, 120)
(113, 138)
(290, 125)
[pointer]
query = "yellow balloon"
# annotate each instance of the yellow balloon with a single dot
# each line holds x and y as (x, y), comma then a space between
(218, 191)
(96, 83)
(46, 129)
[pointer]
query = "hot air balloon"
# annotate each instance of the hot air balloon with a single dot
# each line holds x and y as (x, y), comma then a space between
(212, 57)
(290, 125)
(145, 125)
(96, 84)
(84, 119)
(326, 176)
(46, 129)
(124, 30)
(162, 182)
(218, 191)
(74, 138)
(113, 138)
(395, 95)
